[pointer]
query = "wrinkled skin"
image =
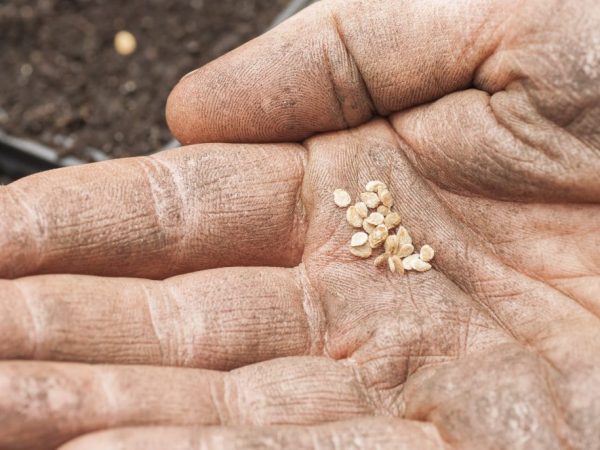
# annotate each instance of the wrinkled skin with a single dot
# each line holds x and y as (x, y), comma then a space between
(245, 322)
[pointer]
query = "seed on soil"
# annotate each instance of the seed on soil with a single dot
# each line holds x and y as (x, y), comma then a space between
(392, 220)
(420, 266)
(368, 227)
(125, 43)
(364, 251)
(391, 243)
(408, 262)
(386, 198)
(375, 219)
(371, 199)
(384, 210)
(374, 185)
(341, 198)
(404, 250)
(353, 217)
(378, 236)
(358, 239)
(427, 253)
(397, 264)
(362, 209)
(403, 236)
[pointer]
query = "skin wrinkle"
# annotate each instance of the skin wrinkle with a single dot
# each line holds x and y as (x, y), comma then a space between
(180, 214)
(38, 255)
(154, 323)
(313, 309)
(35, 330)
(367, 97)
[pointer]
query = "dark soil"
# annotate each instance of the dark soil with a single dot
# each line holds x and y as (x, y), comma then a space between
(63, 84)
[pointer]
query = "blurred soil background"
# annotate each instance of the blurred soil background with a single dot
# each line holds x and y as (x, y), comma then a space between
(63, 83)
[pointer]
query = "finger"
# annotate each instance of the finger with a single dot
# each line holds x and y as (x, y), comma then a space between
(154, 217)
(337, 64)
(365, 433)
(47, 404)
(214, 319)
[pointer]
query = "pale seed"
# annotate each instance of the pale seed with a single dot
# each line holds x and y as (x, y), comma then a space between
(364, 251)
(375, 218)
(373, 186)
(420, 266)
(358, 239)
(125, 43)
(408, 262)
(381, 259)
(370, 198)
(341, 198)
(362, 209)
(368, 227)
(391, 265)
(403, 236)
(391, 243)
(386, 197)
(427, 253)
(384, 210)
(404, 250)
(378, 236)
(392, 220)
(397, 264)
(353, 217)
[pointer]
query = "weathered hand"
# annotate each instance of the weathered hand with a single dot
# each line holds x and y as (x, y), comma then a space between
(491, 147)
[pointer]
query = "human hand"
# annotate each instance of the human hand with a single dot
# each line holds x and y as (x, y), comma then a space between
(491, 149)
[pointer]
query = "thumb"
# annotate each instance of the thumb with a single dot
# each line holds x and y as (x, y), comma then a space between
(335, 65)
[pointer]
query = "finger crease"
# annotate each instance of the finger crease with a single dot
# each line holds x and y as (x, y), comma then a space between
(35, 335)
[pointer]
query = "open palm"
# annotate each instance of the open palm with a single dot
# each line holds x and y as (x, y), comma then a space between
(246, 323)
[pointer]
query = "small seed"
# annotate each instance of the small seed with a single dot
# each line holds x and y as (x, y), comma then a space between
(373, 186)
(404, 250)
(364, 251)
(378, 236)
(391, 243)
(381, 259)
(386, 197)
(368, 227)
(362, 209)
(391, 265)
(353, 217)
(392, 220)
(427, 253)
(341, 198)
(384, 210)
(125, 43)
(403, 236)
(375, 218)
(397, 264)
(359, 239)
(370, 198)
(420, 266)
(408, 262)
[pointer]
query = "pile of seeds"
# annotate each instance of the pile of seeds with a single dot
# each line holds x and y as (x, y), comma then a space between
(374, 214)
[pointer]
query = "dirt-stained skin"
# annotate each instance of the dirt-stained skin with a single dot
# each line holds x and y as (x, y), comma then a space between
(241, 320)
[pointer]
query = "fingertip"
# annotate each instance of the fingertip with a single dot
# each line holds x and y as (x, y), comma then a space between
(178, 108)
